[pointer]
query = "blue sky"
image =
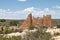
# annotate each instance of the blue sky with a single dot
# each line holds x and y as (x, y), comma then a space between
(17, 9)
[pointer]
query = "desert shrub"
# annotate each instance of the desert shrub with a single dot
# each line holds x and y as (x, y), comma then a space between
(13, 38)
(31, 27)
(14, 23)
(45, 36)
(56, 34)
(40, 34)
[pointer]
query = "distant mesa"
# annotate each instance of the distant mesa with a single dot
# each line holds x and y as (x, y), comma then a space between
(45, 21)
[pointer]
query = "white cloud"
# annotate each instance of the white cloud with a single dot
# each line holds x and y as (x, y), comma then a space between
(38, 12)
(56, 6)
(22, 14)
(22, 0)
(7, 14)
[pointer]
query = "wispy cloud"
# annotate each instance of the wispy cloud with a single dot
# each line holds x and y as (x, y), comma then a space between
(7, 14)
(22, 0)
(22, 14)
(56, 6)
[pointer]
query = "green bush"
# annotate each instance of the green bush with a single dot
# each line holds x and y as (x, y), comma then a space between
(14, 23)
(38, 35)
(31, 27)
(13, 38)
(57, 34)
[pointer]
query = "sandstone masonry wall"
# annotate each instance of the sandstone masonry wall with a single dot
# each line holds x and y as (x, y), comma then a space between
(45, 21)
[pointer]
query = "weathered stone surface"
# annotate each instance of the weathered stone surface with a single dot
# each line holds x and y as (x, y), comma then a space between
(45, 21)
(27, 22)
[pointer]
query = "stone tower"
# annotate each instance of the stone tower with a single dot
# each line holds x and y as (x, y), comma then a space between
(27, 22)
(47, 20)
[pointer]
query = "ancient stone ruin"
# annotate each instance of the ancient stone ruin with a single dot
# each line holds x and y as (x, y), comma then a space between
(45, 21)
